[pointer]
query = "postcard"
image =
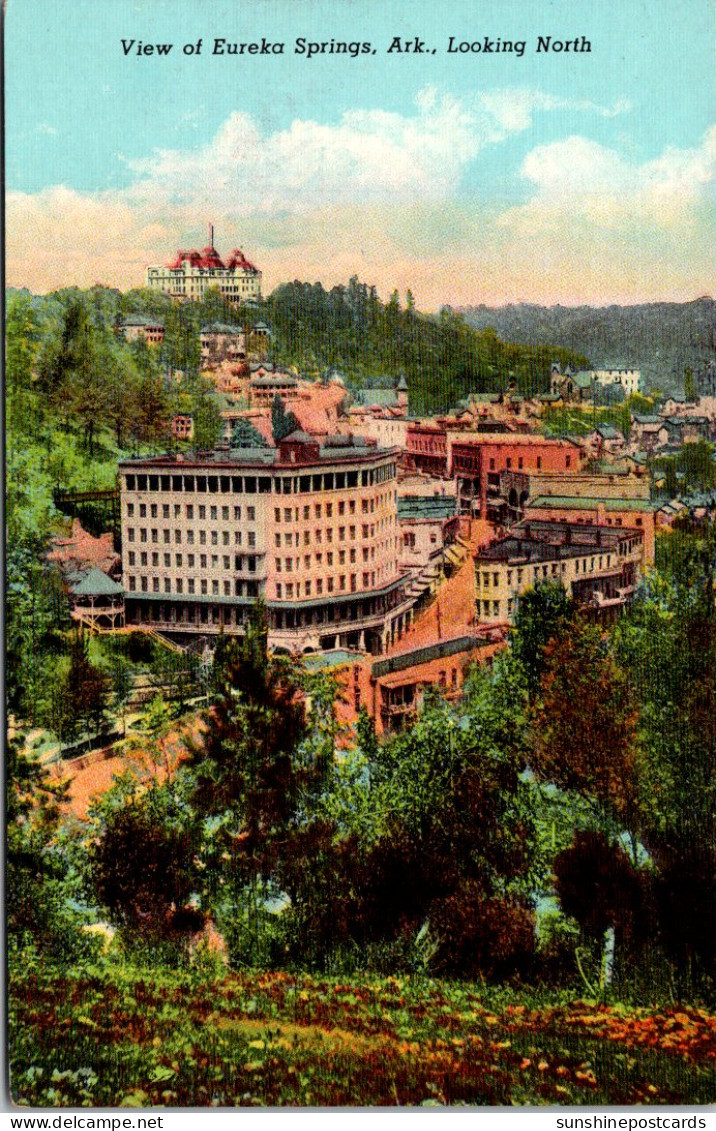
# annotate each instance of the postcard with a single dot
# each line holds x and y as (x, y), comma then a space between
(360, 490)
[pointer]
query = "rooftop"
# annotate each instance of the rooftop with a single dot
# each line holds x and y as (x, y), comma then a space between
(538, 541)
(426, 506)
(590, 502)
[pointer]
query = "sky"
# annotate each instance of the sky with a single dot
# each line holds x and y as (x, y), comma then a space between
(476, 176)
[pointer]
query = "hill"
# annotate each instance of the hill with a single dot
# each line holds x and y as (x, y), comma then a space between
(443, 358)
(661, 338)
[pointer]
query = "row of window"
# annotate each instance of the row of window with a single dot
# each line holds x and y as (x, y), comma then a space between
(206, 538)
(544, 572)
(323, 586)
(262, 485)
(291, 514)
(151, 510)
(201, 586)
(204, 561)
(368, 530)
(288, 565)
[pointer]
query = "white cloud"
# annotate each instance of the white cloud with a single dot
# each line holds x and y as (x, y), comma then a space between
(578, 177)
(367, 156)
(374, 193)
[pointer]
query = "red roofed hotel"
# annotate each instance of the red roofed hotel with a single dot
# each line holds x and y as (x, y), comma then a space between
(190, 273)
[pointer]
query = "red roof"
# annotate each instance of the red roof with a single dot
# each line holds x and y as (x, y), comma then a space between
(193, 256)
(210, 258)
(238, 259)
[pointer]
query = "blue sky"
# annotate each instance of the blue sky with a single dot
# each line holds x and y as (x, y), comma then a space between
(469, 177)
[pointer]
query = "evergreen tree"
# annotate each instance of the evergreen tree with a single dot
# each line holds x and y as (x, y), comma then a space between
(283, 422)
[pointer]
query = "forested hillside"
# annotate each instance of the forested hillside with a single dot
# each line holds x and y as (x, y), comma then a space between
(443, 358)
(662, 338)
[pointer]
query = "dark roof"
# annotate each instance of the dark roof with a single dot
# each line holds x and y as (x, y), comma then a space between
(424, 655)
(140, 320)
(271, 382)
(299, 437)
(221, 328)
(540, 541)
(426, 506)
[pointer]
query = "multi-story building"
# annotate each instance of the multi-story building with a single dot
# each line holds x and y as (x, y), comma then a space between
(477, 462)
(583, 384)
(629, 379)
(426, 445)
(220, 342)
(597, 565)
(191, 273)
(599, 511)
(518, 488)
(310, 528)
(138, 328)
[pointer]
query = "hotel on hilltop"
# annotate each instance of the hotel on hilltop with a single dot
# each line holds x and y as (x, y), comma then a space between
(191, 273)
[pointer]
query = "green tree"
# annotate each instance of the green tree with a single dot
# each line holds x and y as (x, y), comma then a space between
(141, 863)
(434, 839)
(584, 726)
(283, 422)
(248, 770)
(668, 644)
(689, 384)
(542, 613)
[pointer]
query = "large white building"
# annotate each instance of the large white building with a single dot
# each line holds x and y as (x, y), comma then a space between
(312, 528)
(190, 273)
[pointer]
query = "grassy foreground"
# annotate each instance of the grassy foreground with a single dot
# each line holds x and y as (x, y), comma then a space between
(145, 1037)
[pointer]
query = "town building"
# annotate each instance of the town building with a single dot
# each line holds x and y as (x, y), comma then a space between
(606, 440)
(191, 273)
(477, 461)
(427, 525)
(183, 426)
(598, 511)
(426, 446)
(585, 384)
(598, 566)
(518, 488)
(310, 528)
(220, 342)
(629, 379)
(644, 432)
(136, 327)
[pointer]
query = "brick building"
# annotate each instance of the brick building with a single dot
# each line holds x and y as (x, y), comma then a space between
(477, 461)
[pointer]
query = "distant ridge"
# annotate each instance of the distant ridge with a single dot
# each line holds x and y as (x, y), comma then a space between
(660, 338)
